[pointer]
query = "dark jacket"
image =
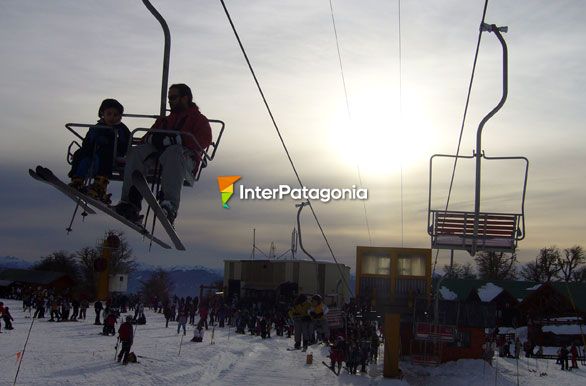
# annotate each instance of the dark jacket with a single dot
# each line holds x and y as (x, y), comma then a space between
(125, 332)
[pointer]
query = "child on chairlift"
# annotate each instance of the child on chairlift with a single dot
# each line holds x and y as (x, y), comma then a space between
(95, 158)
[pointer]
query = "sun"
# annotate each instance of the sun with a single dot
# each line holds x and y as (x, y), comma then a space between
(378, 138)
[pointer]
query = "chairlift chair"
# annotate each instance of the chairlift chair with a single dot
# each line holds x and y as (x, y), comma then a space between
(478, 231)
(207, 154)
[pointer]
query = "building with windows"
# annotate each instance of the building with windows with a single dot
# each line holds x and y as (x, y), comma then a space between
(285, 278)
(391, 278)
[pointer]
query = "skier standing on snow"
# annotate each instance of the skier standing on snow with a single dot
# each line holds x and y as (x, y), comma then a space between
(203, 316)
(318, 314)
(301, 320)
(98, 307)
(574, 352)
(1, 313)
(126, 335)
(564, 357)
(83, 308)
(181, 321)
(7, 319)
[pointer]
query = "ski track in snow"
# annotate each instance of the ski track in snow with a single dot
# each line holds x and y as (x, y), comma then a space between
(74, 353)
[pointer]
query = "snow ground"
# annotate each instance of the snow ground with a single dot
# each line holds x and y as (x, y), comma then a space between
(73, 353)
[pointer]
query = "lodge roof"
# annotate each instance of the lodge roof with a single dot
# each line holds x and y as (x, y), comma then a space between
(463, 287)
(520, 290)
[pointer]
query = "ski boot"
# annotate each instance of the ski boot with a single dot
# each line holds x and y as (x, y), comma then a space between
(77, 183)
(128, 211)
(169, 209)
(97, 190)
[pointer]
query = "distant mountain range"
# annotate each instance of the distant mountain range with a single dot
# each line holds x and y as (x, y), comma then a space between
(14, 263)
(187, 279)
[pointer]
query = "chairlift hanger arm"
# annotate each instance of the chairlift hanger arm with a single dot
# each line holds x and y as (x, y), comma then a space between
(300, 206)
(166, 54)
(479, 155)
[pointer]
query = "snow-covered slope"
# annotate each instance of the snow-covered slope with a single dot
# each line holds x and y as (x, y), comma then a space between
(73, 353)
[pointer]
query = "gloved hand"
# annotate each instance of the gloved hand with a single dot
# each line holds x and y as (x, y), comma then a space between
(162, 140)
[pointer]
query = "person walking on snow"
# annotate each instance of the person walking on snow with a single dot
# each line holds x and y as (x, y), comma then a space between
(7, 319)
(181, 321)
(126, 335)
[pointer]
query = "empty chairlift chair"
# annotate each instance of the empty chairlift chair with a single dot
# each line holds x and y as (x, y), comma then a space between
(476, 231)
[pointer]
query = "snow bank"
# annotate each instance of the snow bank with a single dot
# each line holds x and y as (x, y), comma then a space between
(567, 329)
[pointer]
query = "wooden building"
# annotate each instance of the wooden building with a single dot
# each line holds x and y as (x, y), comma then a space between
(58, 281)
(391, 278)
(272, 279)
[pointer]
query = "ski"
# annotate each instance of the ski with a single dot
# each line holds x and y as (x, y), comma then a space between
(143, 187)
(293, 349)
(330, 368)
(65, 189)
(53, 180)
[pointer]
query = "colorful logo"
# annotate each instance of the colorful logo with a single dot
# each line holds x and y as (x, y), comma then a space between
(226, 186)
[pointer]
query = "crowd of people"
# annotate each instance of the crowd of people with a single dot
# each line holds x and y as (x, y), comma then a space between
(353, 344)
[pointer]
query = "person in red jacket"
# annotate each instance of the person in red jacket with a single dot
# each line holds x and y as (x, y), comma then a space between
(126, 335)
(203, 316)
(178, 154)
(574, 355)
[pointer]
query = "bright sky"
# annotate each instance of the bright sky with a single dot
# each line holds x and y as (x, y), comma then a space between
(61, 58)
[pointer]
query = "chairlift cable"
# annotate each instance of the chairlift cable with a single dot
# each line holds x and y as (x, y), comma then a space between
(349, 114)
(279, 132)
(463, 121)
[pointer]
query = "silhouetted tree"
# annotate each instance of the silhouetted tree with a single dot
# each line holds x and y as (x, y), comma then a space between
(545, 268)
(159, 285)
(60, 261)
(571, 262)
(87, 257)
(460, 271)
(496, 265)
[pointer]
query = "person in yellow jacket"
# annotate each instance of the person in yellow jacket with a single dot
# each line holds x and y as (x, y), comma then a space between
(301, 320)
(318, 312)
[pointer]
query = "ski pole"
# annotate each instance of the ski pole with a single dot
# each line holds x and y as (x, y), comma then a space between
(116, 348)
(180, 343)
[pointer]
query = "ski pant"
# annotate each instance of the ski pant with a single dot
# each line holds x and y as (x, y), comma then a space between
(321, 327)
(98, 317)
(176, 165)
(124, 351)
(179, 325)
(86, 163)
(301, 330)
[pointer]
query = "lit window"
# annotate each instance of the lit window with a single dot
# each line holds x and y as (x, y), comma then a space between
(376, 265)
(412, 266)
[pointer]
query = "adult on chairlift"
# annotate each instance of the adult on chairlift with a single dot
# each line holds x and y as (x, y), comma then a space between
(178, 155)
